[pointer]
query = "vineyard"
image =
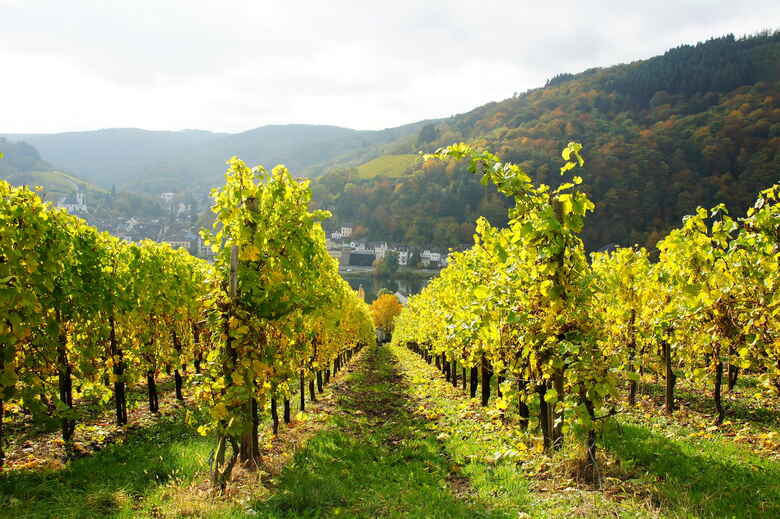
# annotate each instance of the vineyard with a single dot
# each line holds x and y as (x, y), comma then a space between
(601, 378)
(564, 336)
(86, 315)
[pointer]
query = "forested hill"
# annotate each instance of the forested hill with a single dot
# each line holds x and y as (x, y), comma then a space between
(19, 157)
(697, 126)
(156, 161)
(22, 164)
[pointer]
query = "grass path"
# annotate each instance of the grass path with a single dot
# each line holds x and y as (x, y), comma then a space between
(378, 459)
(391, 438)
(157, 470)
(655, 467)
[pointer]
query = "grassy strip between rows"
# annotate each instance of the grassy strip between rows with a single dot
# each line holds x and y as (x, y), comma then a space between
(653, 467)
(391, 438)
(158, 471)
(377, 459)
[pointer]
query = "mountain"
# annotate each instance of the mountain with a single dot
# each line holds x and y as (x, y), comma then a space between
(20, 157)
(21, 164)
(115, 156)
(698, 125)
(155, 161)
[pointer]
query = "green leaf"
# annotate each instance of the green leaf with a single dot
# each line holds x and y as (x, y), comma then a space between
(632, 375)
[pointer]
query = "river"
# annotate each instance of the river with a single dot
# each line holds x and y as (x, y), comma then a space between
(372, 285)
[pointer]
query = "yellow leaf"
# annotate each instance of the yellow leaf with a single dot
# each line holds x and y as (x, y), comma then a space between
(219, 411)
(249, 253)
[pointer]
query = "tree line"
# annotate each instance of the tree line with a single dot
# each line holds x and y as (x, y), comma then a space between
(665, 134)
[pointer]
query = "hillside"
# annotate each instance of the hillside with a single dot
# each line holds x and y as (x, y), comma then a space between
(696, 126)
(22, 165)
(55, 184)
(19, 157)
(155, 161)
(387, 166)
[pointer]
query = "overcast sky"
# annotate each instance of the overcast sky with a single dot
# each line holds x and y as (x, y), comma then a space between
(232, 66)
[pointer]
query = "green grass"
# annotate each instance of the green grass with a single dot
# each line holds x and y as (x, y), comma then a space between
(502, 464)
(655, 466)
(119, 481)
(391, 166)
(376, 460)
(401, 442)
(160, 471)
(698, 478)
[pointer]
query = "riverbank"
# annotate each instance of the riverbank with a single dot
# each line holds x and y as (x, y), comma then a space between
(402, 273)
(406, 283)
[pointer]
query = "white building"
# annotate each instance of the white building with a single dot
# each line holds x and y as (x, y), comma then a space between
(131, 223)
(403, 258)
(429, 257)
(380, 250)
(167, 197)
(74, 204)
(342, 233)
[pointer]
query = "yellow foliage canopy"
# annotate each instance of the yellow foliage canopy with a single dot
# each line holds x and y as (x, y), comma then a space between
(384, 309)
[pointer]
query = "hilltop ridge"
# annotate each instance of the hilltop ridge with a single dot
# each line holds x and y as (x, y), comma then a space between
(695, 126)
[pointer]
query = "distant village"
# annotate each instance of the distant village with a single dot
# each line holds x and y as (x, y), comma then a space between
(357, 253)
(179, 229)
(176, 227)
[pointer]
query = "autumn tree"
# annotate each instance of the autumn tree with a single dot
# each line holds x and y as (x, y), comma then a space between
(383, 310)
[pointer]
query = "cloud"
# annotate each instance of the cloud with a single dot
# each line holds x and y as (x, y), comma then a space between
(231, 66)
